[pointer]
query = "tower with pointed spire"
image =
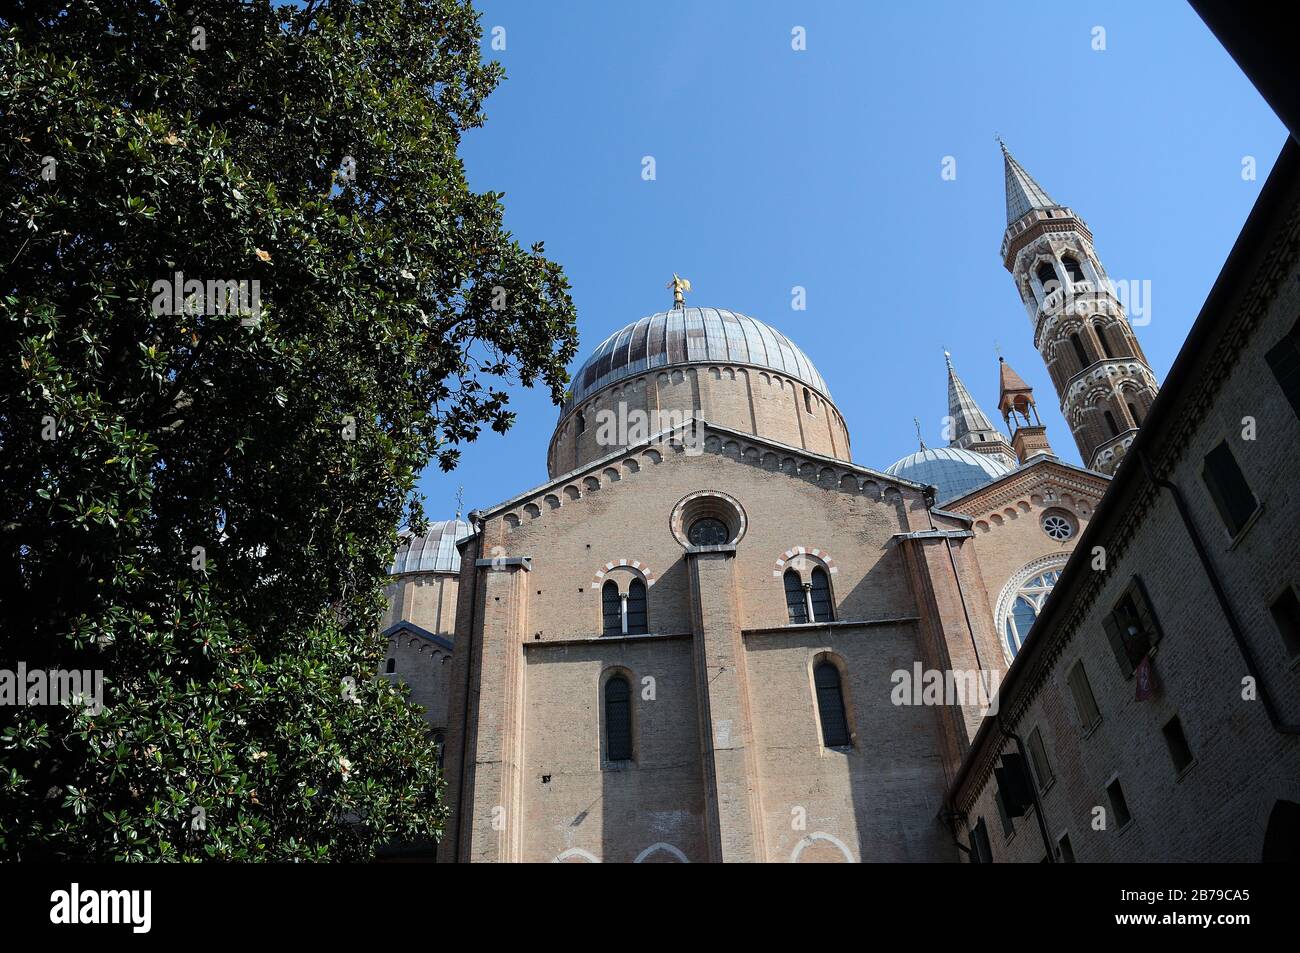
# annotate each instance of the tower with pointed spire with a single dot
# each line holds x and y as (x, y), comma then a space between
(1079, 323)
(968, 427)
(1016, 401)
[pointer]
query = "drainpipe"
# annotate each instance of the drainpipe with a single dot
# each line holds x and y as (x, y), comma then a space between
(1033, 787)
(1234, 626)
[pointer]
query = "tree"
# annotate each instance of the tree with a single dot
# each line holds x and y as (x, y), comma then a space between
(247, 296)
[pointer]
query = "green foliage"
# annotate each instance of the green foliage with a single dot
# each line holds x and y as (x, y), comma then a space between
(207, 139)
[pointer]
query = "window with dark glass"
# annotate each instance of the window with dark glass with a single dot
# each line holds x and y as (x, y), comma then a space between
(830, 705)
(795, 603)
(1072, 269)
(807, 400)
(981, 852)
(618, 719)
(1228, 488)
(708, 531)
(1133, 412)
(1284, 360)
(1285, 610)
(582, 422)
(1131, 627)
(636, 608)
(439, 746)
(1079, 352)
(611, 612)
(1111, 425)
(1118, 804)
(1101, 339)
(1047, 278)
(821, 596)
(1180, 752)
(391, 666)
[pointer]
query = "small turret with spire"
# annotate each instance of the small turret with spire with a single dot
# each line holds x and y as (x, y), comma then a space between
(968, 426)
(1016, 401)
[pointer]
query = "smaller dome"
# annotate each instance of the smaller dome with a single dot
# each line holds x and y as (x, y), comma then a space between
(953, 470)
(435, 551)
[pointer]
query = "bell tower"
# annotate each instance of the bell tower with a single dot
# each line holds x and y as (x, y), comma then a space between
(1079, 321)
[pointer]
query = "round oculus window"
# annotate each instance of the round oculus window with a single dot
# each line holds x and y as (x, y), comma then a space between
(708, 531)
(1058, 526)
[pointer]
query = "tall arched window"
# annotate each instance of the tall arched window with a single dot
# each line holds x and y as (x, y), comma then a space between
(618, 719)
(1101, 339)
(1047, 277)
(1028, 603)
(795, 604)
(830, 705)
(1079, 352)
(1110, 422)
(1072, 268)
(439, 745)
(821, 596)
(610, 609)
(807, 400)
(636, 608)
(582, 421)
(1133, 412)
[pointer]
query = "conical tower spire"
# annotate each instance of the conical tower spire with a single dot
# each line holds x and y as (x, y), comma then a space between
(969, 427)
(1023, 193)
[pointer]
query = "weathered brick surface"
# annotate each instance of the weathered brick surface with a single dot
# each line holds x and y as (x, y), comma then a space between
(1217, 809)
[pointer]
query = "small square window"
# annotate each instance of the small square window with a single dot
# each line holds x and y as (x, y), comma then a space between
(1118, 806)
(1064, 851)
(1179, 750)
(1285, 610)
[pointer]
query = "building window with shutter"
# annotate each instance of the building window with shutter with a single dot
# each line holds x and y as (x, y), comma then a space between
(795, 603)
(618, 719)
(830, 705)
(1085, 703)
(1228, 488)
(1131, 627)
(821, 596)
(1038, 758)
(611, 609)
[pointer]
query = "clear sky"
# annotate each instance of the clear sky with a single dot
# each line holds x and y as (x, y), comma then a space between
(822, 168)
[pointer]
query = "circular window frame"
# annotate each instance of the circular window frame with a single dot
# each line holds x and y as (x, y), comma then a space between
(1068, 518)
(708, 503)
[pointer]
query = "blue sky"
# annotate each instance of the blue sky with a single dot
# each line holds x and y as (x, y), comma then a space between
(821, 168)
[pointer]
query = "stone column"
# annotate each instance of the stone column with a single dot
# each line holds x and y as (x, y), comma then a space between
(733, 812)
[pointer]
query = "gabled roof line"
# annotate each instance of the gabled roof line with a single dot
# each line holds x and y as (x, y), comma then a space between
(662, 437)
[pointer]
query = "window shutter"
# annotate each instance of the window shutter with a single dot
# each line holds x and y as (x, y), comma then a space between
(1146, 615)
(1228, 488)
(1115, 635)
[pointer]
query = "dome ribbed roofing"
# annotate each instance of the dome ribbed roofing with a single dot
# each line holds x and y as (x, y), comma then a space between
(435, 551)
(687, 336)
(953, 470)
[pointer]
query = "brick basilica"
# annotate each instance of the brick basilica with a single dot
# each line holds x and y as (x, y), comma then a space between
(688, 644)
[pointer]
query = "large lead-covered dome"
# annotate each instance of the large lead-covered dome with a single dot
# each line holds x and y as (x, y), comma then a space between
(689, 336)
(722, 366)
